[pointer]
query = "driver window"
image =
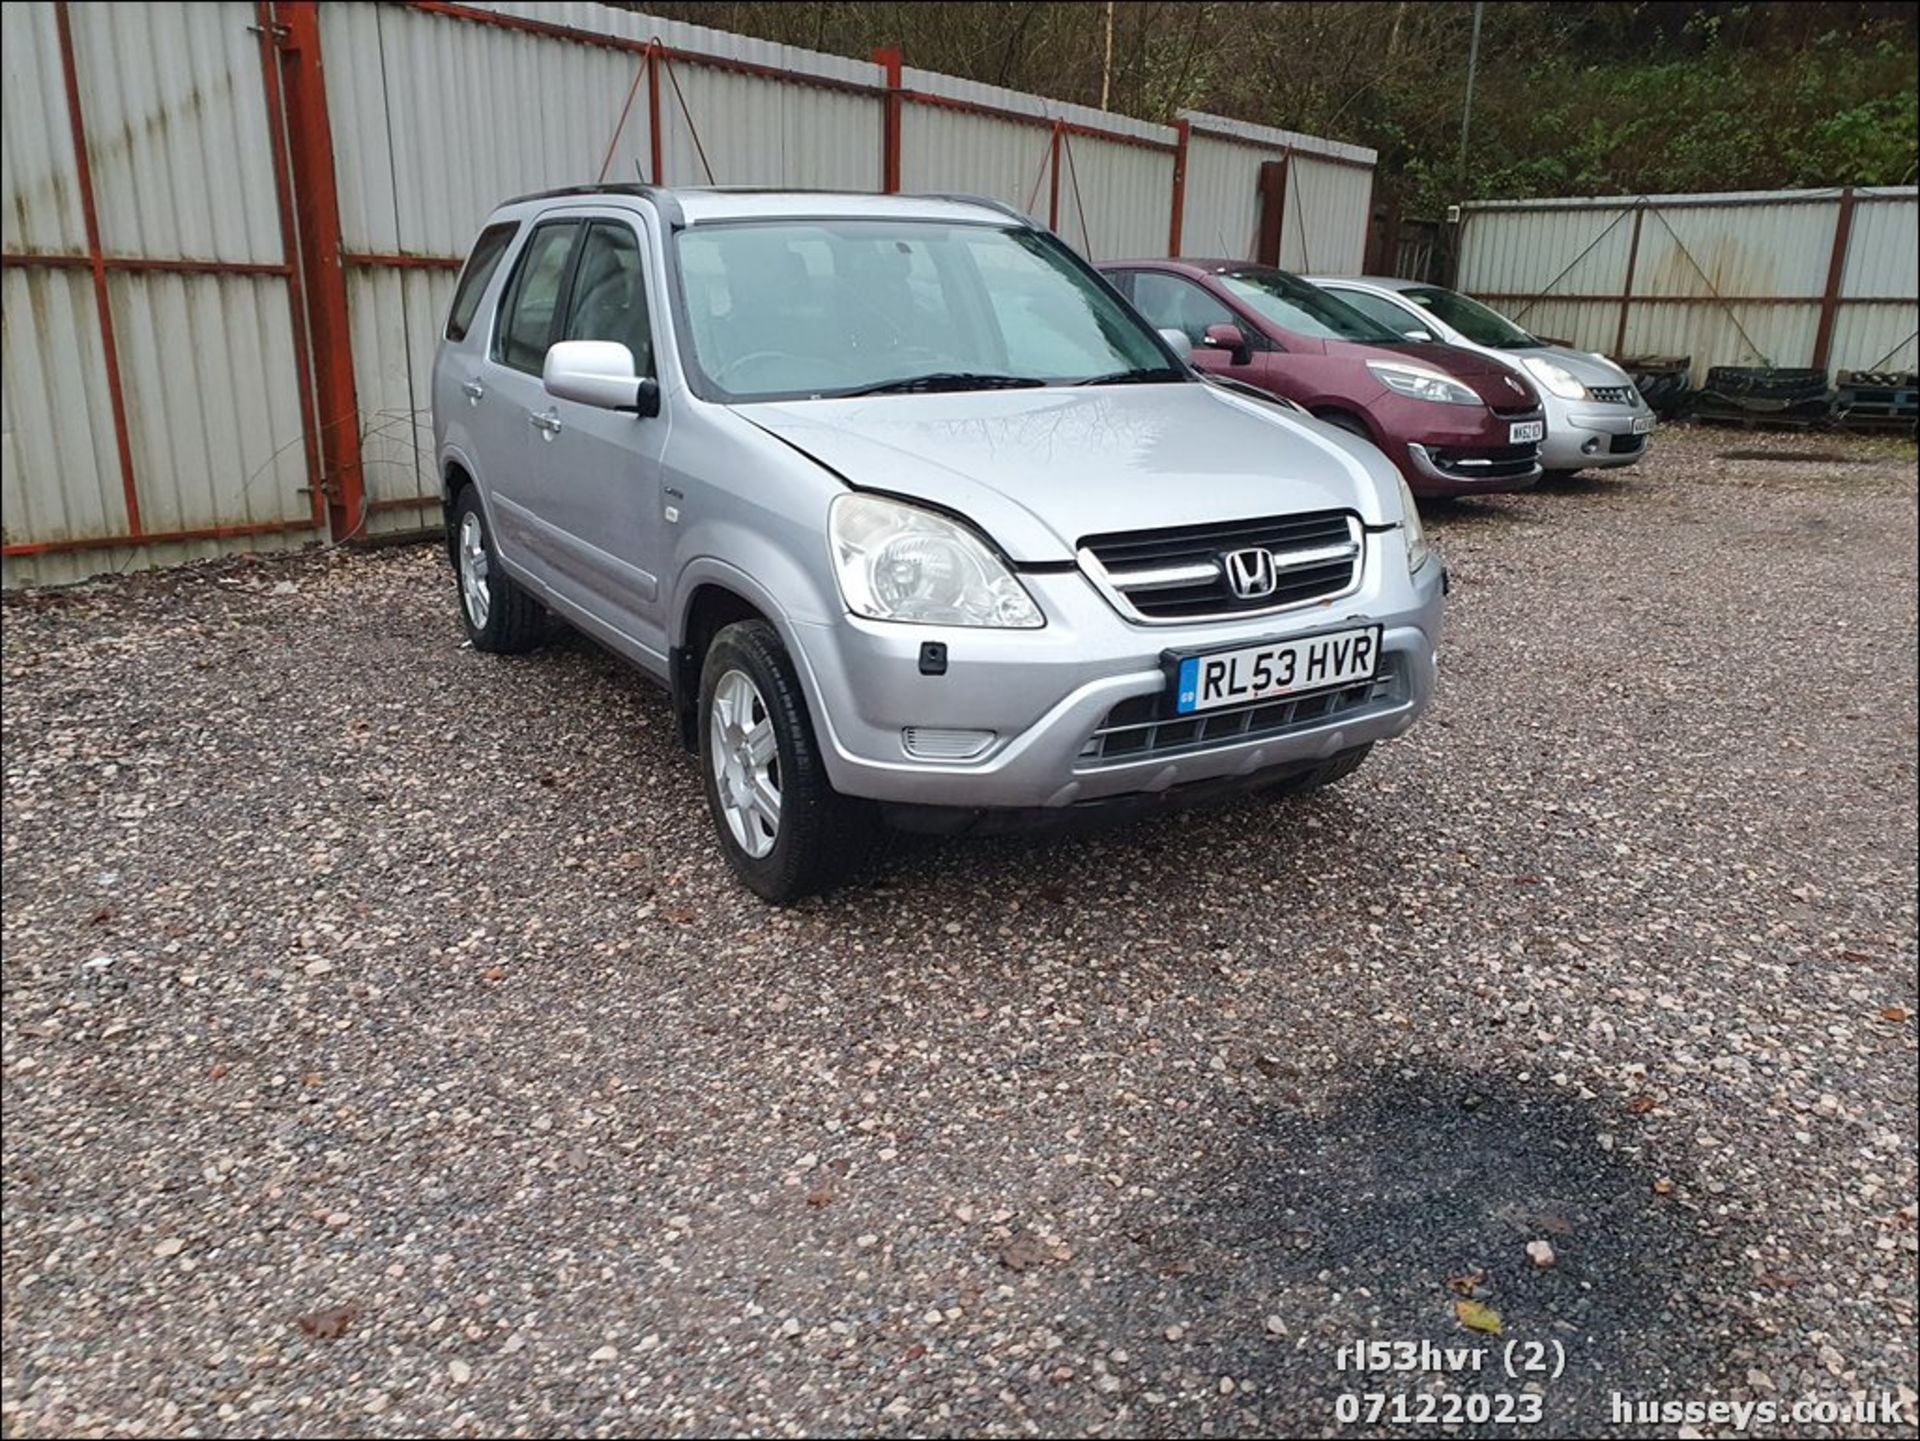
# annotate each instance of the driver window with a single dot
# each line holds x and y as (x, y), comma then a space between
(1172, 303)
(610, 293)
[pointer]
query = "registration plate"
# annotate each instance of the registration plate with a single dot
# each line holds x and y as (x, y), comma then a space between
(1277, 668)
(1522, 431)
(1643, 425)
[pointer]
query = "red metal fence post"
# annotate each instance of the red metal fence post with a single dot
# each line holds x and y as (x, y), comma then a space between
(1272, 192)
(1626, 285)
(1182, 129)
(289, 250)
(891, 60)
(317, 208)
(656, 141)
(109, 351)
(1836, 272)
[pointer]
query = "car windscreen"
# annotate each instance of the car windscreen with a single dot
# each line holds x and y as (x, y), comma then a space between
(1293, 304)
(1479, 323)
(819, 308)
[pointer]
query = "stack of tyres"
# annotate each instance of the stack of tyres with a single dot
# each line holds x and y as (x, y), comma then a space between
(1878, 400)
(1665, 382)
(1773, 395)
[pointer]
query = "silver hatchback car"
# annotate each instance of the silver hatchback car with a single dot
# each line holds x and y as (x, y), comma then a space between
(915, 519)
(1596, 417)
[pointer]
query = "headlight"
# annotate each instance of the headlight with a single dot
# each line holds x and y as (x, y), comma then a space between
(1557, 379)
(1418, 548)
(1420, 383)
(899, 562)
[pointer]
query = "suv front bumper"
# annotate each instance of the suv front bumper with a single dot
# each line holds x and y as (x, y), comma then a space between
(1044, 694)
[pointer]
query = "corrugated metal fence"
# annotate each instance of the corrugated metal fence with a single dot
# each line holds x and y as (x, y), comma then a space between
(1824, 279)
(226, 263)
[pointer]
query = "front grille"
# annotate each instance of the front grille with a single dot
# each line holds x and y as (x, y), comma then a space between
(1507, 463)
(1520, 406)
(1180, 572)
(1132, 731)
(1613, 394)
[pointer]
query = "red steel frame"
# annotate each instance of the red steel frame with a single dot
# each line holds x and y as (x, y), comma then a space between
(343, 483)
(316, 257)
(110, 352)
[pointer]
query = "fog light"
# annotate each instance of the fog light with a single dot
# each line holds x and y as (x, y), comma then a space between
(932, 743)
(1590, 446)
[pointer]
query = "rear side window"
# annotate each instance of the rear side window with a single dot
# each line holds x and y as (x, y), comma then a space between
(530, 308)
(481, 264)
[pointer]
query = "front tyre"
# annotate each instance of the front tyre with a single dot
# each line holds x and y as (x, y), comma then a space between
(498, 615)
(783, 828)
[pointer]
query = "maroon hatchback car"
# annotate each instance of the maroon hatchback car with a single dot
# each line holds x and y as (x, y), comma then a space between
(1456, 423)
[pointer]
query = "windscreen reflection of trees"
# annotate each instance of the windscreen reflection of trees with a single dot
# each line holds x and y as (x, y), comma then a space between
(1304, 308)
(1471, 318)
(788, 310)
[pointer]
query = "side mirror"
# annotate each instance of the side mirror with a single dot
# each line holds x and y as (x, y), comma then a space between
(1177, 341)
(599, 373)
(1231, 339)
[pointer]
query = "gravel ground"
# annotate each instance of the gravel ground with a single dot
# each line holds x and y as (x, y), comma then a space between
(387, 1050)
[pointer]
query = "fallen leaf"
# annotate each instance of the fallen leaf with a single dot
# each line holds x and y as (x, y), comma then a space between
(328, 1324)
(1895, 1013)
(216, 1070)
(1477, 1317)
(1467, 1283)
(1640, 1105)
(496, 973)
(682, 916)
(819, 1198)
(1663, 1187)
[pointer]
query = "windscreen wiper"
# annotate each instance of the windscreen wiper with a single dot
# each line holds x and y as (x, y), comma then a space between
(1140, 375)
(947, 380)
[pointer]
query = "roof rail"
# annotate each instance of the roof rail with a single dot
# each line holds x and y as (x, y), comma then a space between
(663, 199)
(985, 201)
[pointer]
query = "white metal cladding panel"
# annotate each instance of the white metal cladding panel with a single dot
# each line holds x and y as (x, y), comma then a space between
(1577, 251)
(1763, 334)
(213, 400)
(947, 150)
(176, 114)
(1325, 229)
(1883, 252)
(1876, 337)
(1266, 137)
(396, 320)
(1222, 213)
(634, 25)
(42, 195)
(931, 82)
(1735, 250)
(59, 470)
(1584, 324)
(1125, 193)
(757, 131)
(437, 120)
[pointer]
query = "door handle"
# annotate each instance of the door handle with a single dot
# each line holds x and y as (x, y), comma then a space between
(549, 422)
(473, 390)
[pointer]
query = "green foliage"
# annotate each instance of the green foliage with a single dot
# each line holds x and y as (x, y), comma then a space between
(1611, 97)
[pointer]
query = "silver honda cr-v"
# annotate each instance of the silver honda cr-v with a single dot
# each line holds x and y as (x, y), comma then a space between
(915, 518)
